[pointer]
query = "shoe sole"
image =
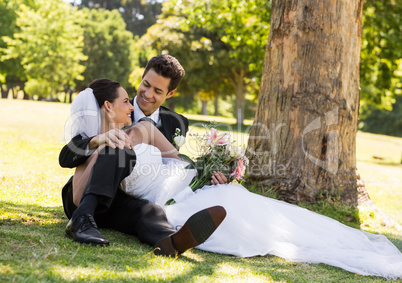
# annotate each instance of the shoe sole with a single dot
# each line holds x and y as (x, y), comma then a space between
(165, 247)
(197, 229)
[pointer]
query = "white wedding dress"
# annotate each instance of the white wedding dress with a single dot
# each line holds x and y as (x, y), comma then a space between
(257, 225)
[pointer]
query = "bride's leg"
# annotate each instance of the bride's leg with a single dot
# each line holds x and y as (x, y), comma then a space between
(81, 176)
(142, 132)
(145, 132)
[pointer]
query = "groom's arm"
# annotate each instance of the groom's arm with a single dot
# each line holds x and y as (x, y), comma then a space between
(75, 152)
(79, 149)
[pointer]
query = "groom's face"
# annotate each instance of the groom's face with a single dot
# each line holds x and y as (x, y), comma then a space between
(152, 92)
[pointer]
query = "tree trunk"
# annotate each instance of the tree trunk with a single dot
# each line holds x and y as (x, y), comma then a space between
(240, 90)
(70, 97)
(51, 94)
(4, 91)
(216, 104)
(171, 104)
(204, 107)
(14, 92)
(26, 96)
(303, 141)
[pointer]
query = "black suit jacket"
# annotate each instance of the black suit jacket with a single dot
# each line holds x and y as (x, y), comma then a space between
(73, 153)
(172, 121)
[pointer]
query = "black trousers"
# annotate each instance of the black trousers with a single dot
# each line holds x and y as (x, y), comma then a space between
(116, 209)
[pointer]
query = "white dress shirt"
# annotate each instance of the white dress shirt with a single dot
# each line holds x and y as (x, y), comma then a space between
(138, 114)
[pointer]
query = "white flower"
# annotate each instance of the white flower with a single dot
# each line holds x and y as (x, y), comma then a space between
(235, 151)
(179, 140)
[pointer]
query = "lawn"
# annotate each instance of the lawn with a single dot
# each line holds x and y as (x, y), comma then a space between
(33, 246)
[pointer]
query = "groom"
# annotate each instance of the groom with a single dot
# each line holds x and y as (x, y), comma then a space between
(104, 204)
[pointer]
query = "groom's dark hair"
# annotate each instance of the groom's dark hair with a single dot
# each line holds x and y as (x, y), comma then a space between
(104, 89)
(166, 66)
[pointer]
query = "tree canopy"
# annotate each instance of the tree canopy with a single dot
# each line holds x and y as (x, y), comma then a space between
(107, 44)
(11, 70)
(52, 47)
(48, 44)
(381, 56)
(220, 43)
(138, 15)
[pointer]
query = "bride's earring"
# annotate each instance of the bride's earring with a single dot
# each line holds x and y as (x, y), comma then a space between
(111, 114)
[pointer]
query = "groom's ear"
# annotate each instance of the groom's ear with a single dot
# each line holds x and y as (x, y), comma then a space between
(170, 93)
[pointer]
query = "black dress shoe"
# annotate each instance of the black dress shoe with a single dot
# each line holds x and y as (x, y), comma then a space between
(197, 229)
(84, 230)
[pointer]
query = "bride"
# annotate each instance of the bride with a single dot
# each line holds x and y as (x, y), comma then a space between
(254, 225)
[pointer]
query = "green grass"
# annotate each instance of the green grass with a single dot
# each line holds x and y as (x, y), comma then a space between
(33, 246)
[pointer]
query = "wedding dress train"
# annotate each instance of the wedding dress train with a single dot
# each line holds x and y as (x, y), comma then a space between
(257, 225)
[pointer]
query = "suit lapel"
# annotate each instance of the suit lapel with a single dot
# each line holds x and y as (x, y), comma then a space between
(166, 124)
(132, 113)
(166, 120)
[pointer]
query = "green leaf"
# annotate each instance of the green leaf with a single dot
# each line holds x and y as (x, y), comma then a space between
(171, 201)
(188, 159)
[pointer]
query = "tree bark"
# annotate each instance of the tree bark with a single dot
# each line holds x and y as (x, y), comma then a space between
(4, 91)
(204, 104)
(240, 89)
(51, 94)
(303, 140)
(70, 97)
(171, 104)
(216, 104)
(14, 92)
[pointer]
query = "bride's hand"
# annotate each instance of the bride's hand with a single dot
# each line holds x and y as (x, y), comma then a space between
(113, 138)
(218, 178)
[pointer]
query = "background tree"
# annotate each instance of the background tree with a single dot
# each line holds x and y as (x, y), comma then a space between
(197, 54)
(138, 15)
(216, 41)
(381, 56)
(107, 45)
(381, 68)
(48, 44)
(303, 140)
(11, 71)
(385, 122)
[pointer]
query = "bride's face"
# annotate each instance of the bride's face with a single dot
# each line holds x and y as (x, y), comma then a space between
(122, 109)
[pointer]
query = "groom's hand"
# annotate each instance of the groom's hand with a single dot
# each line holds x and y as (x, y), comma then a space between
(218, 178)
(114, 138)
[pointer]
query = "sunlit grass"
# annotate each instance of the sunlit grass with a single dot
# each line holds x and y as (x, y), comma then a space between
(379, 149)
(33, 246)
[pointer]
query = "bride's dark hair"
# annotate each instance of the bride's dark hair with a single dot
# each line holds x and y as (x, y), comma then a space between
(104, 89)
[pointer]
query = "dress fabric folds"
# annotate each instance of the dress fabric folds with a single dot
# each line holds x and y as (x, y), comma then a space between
(256, 225)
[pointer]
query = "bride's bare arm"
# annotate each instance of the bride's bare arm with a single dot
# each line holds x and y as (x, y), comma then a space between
(142, 132)
(145, 132)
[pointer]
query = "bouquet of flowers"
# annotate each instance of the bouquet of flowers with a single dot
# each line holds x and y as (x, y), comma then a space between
(216, 153)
